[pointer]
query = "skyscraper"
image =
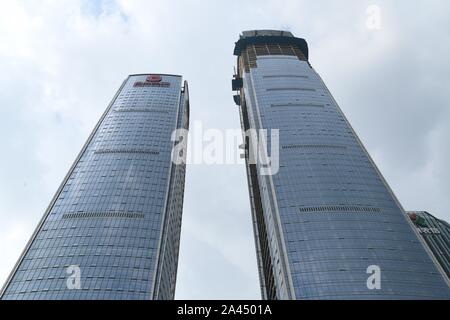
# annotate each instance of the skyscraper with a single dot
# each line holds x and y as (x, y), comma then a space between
(112, 229)
(436, 234)
(326, 224)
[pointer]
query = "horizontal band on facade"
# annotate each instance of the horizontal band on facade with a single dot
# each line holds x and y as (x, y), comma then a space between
(313, 146)
(274, 105)
(109, 214)
(143, 151)
(291, 89)
(285, 76)
(340, 209)
(140, 109)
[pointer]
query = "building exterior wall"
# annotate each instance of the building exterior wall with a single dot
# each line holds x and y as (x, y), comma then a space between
(327, 214)
(436, 234)
(117, 214)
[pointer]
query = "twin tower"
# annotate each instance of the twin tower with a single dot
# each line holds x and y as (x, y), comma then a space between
(326, 224)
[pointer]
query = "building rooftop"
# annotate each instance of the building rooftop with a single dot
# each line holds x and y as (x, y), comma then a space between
(269, 37)
(260, 33)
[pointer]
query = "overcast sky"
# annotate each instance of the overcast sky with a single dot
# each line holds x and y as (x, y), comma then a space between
(62, 61)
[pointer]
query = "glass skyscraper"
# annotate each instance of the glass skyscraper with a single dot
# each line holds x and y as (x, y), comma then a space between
(326, 223)
(112, 230)
(436, 234)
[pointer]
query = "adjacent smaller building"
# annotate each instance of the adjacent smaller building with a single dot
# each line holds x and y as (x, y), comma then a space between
(436, 234)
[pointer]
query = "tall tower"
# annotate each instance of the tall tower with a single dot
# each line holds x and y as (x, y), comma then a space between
(112, 229)
(326, 224)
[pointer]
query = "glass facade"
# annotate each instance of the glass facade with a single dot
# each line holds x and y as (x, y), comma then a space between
(116, 217)
(327, 215)
(436, 234)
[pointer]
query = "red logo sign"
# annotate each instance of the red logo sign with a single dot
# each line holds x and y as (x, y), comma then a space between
(153, 78)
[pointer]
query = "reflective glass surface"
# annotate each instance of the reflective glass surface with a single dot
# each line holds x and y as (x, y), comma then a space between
(329, 214)
(112, 214)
